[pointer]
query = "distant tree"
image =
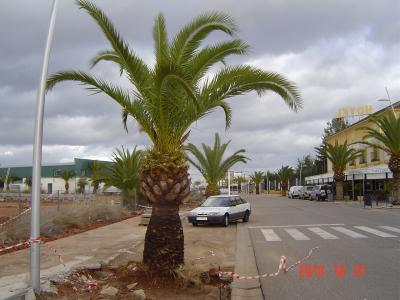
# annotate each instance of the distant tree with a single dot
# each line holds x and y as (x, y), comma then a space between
(332, 127)
(67, 175)
(211, 163)
(307, 167)
(28, 182)
(285, 173)
(239, 180)
(82, 182)
(340, 155)
(385, 135)
(96, 168)
(257, 177)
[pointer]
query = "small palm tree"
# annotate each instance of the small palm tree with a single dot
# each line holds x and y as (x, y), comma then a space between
(82, 182)
(239, 180)
(96, 168)
(124, 174)
(67, 175)
(385, 133)
(340, 155)
(165, 100)
(28, 182)
(257, 177)
(284, 174)
(211, 164)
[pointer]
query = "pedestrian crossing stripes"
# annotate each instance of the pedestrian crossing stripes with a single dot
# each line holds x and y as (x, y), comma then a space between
(375, 231)
(349, 232)
(297, 234)
(308, 233)
(270, 235)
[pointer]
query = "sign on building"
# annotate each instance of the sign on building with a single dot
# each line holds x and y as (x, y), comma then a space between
(354, 111)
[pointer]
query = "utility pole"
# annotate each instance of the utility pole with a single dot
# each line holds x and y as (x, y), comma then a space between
(34, 267)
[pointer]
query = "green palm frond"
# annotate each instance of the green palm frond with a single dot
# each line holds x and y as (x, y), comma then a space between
(211, 163)
(257, 177)
(124, 172)
(168, 98)
(285, 173)
(384, 132)
(341, 154)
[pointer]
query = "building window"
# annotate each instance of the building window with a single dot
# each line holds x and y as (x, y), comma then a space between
(363, 157)
(374, 154)
(57, 173)
(83, 173)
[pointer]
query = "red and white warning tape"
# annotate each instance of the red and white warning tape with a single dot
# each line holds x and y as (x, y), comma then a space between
(282, 267)
(29, 243)
(16, 217)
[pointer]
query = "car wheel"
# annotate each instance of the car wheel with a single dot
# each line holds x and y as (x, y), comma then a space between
(195, 224)
(246, 216)
(226, 220)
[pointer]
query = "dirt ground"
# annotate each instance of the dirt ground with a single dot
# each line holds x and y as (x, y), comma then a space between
(120, 244)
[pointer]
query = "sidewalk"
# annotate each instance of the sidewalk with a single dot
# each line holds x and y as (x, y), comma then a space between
(84, 249)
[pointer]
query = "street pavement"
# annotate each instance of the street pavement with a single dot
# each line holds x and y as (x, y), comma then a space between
(357, 258)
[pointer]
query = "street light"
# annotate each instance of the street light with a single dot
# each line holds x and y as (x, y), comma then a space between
(34, 266)
(388, 99)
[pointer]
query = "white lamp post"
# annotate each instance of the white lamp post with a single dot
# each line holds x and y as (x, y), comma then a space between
(34, 268)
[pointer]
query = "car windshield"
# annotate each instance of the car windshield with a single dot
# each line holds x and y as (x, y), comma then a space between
(217, 202)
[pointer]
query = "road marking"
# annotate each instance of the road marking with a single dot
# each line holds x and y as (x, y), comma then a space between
(270, 235)
(394, 229)
(296, 234)
(375, 231)
(322, 233)
(349, 232)
(290, 226)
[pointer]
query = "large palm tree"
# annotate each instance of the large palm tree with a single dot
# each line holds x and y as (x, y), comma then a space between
(212, 164)
(67, 175)
(384, 134)
(340, 155)
(284, 174)
(257, 177)
(165, 100)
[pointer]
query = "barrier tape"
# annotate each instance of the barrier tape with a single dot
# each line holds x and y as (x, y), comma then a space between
(33, 241)
(281, 267)
(14, 218)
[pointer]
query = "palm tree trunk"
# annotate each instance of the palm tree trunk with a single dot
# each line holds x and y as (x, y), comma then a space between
(396, 188)
(257, 189)
(164, 241)
(339, 190)
(211, 189)
(239, 188)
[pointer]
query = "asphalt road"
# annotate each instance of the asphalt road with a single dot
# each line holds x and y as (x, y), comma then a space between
(349, 238)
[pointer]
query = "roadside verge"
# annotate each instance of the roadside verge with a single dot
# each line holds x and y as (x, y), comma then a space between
(245, 265)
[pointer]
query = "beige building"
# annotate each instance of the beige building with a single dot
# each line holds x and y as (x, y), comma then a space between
(370, 169)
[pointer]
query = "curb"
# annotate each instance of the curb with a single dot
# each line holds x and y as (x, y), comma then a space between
(245, 264)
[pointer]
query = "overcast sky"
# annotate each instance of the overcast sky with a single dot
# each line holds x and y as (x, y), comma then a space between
(340, 53)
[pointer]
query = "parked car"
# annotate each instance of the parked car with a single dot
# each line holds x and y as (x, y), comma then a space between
(220, 209)
(320, 192)
(306, 192)
(295, 191)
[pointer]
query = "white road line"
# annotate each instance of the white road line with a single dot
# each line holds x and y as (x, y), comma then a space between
(270, 235)
(322, 233)
(349, 232)
(296, 234)
(394, 229)
(375, 231)
(290, 226)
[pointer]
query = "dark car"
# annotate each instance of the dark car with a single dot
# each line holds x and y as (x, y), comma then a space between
(320, 192)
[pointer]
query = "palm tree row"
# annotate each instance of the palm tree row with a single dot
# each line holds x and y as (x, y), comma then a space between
(165, 100)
